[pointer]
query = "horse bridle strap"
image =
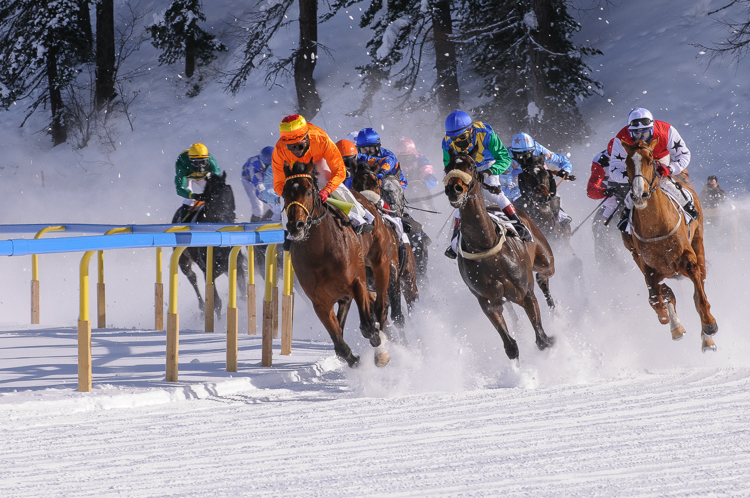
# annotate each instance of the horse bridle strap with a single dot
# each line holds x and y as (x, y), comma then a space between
(651, 185)
(310, 219)
(485, 254)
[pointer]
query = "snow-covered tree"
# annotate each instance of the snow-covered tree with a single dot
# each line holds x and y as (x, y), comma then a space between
(178, 34)
(737, 43)
(533, 76)
(42, 46)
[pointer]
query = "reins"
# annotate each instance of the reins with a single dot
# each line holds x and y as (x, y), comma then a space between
(651, 185)
(309, 221)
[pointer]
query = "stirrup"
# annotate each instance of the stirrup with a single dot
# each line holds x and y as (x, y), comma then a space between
(450, 253)
(363, 228)
(622, 225)
(690, 209)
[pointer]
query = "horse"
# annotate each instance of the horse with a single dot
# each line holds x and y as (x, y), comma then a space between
(217, 208)
(663, 245)
(370, 186)
(495, 267)
(329, 260)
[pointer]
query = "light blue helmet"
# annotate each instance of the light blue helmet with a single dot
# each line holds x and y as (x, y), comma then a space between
(266, 154)
(522, 142)
(456, 123)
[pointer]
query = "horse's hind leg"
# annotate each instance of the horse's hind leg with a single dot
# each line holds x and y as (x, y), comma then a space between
(697, 273)
(187, 268)
(331, 323)
(342, 312)
(531, 307)
(657, 293)
(367, 324)
(543, 283)
(397, 314)
(494, 311)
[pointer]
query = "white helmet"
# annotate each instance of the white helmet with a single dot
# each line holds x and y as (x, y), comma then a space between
(640, 118)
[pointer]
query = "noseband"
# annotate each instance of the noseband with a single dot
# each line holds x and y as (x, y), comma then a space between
(309, 220)
(470, 186)
(652, 184)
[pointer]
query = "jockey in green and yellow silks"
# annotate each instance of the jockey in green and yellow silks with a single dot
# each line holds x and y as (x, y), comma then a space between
(191, 169)
(462, 135)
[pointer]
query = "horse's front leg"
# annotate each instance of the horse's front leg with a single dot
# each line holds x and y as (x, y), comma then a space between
(655, 296)
(367, 324)
(531, 307)
(217, 303)
(494, 311)
(345, 305)
(186, 266)
(331, 323)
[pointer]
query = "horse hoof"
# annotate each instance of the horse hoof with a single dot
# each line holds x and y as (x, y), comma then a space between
(708, 343)
(678, 332)
(382, 357)
(352, 360)
(710, 329)
(546, 343)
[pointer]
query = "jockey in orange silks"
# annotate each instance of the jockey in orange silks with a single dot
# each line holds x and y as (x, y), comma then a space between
(303, 141)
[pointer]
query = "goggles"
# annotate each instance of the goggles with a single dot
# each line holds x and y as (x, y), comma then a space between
(298, 147)
(520, 155)
(638, 123)
(370, 150)
(463, 137)
(644, 134)
(199, 163)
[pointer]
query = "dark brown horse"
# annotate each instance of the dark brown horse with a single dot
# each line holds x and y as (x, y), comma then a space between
(329, 259)
(369, 185)
(496, 267)
(539, 197)
(218, 208)
(663, 245)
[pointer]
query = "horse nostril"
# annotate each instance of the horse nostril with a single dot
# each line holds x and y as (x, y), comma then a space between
(458, 188)
(299, 225)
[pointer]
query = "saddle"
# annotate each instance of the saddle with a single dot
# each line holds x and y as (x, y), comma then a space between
(185, 213)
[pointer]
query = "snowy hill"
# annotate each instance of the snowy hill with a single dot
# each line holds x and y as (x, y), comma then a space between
(616, 408)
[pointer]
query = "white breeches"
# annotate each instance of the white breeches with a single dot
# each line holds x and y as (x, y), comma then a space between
(669, 188)
(358, 214)
(500, 199)
(398, 224)
(196, 187)
(610, 205)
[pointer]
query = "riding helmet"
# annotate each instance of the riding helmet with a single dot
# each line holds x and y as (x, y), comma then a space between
(293, 128)
(266, 154)
(522, 142)
(346, 148)
(456, 123)
(405, 147)
(198, 151)
(368, 137)
(640, 119)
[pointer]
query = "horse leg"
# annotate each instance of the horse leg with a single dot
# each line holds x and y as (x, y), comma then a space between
(368, 325)
(331, 323)
(242, 275)
(217, 303)
(494, 311)
(343, 310)
(397, 314)
(531, 307)
(697, 274)
(656, 295)
(187, 268)
(543, 283)
(381, 275)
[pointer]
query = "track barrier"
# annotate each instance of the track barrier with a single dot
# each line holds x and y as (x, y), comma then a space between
(180, 238)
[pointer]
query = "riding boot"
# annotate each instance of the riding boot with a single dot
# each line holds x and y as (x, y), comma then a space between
(624, 218)
(690, 209)
(363, 228)
(450, 253)
(523, 232)
(254, 219)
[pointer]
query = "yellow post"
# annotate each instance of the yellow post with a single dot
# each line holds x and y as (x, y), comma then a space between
(267, 346)
(173, 318)
(84, 327)
(100, 299)
(209, 306)
(159, 286)
(287, 306)
(232, 313)
(35, 275)
(252, 315)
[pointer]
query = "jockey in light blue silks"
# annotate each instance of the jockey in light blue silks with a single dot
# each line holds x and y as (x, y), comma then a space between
(523, 145)
(492, 160)
(257, 179)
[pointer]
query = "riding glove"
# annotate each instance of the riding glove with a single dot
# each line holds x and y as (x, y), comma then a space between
(198, 197)
(664, 170)
(324, 195)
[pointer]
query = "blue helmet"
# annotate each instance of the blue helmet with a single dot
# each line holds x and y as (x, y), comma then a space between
(522, 142)
(368, 137)
(265, 155)
(456, 122)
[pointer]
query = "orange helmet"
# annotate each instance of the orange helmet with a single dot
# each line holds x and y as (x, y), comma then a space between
(347, 148)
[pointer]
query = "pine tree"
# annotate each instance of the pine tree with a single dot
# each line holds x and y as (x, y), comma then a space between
(42, 47)
(532, 75)
(177, 33)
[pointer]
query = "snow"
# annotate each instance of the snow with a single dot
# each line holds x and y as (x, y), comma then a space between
(615, 408)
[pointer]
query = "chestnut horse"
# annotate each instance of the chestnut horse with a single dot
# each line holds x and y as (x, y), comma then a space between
(367, 183)
(663, 245)
(329, 259)
(497, 268)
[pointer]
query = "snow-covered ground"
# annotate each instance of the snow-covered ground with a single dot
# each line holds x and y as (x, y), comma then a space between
(616, 408)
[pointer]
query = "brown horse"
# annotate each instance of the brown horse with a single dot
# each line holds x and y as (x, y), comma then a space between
(329, 259)
(497, 268)
(369, 185)
(663, 245)
(539, 197)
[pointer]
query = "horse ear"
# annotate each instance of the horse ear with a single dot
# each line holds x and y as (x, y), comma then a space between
(309, 167)
(451, 153)
(652, 144)
(224, 176)
(287, 169)
(626, 146)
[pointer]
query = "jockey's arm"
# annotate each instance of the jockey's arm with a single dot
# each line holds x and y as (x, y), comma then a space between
(594, 188)
(558, 160)
(679, 152)
(331, 154)
(502, 158)
(617, 169)
(181, 171)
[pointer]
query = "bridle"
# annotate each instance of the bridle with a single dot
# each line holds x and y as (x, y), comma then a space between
(653, 183)
(472, 185)
(309, 220)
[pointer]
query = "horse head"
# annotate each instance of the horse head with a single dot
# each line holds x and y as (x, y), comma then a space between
(301, 198)
(641, 171)
(219, 200)
(534, 176)
(365, 178)
(460, 178)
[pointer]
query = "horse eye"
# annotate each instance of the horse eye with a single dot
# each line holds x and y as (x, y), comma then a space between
(308, 193)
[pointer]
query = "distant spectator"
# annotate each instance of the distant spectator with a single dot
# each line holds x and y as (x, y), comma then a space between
(712, 195)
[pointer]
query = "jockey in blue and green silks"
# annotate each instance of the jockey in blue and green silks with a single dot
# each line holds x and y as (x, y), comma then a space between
(462, 135)
(191, 169)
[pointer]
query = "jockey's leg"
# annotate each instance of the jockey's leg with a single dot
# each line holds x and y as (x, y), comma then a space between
(682, 196)
(624, 222)
(508, 208)
(359, 216)
(450, 252)
(397, 224)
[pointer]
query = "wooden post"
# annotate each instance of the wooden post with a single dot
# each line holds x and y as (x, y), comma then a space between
(252, 314)
(209, 308)
(173, 345)
(267, 347)
(35, 302)
(101, 307)
(159, 306)
(84, 356)
(287, 306)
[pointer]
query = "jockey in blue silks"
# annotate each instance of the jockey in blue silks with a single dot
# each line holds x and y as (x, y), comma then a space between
(368, 146)
(257, 178)
(523, 145)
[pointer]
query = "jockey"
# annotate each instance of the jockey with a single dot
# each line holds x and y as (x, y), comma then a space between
(349, 155)
(258, 182)
(522, 147)
(191, 169)
(415, 162)
(599, 186)
(368, 146)
(492, 159)
(641, 126)
(305, 142)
